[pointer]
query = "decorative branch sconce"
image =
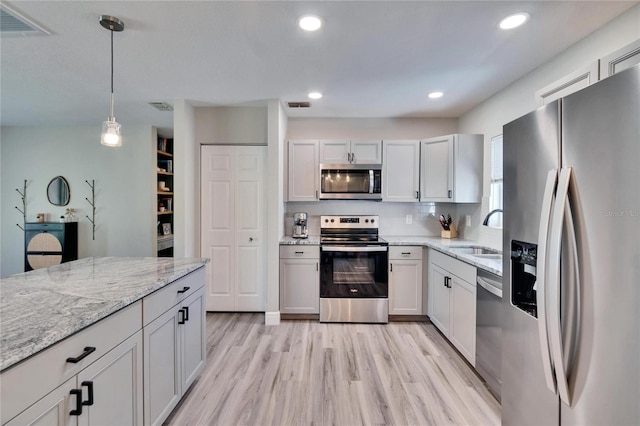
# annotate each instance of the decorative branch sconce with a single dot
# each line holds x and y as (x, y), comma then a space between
(92, 219)
(23, 195)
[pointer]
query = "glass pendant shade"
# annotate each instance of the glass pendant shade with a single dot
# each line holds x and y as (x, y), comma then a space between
(111, 133)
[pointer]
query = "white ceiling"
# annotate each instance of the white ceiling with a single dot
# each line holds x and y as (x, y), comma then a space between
(370, 59)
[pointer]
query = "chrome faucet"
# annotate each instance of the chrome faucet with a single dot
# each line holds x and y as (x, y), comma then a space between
(485, 222)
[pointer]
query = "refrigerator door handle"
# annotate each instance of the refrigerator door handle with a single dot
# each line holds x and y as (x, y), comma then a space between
(553, 281)
(541, 281)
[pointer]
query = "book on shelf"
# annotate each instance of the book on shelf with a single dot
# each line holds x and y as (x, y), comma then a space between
(163, 144)
(166, 165)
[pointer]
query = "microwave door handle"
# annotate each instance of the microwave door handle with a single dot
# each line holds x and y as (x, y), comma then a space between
(370, 181)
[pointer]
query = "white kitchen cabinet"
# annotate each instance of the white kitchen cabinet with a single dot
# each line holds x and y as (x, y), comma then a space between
(569, 84)
(108, 392)
(452, 301)
(451, 169)
(620, 60)
(303, 170)
(174, 346)
(299, 279)
(405, 280)
(343, 151)
(401, 171)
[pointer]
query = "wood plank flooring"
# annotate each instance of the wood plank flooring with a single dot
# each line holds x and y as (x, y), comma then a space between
(309, 373)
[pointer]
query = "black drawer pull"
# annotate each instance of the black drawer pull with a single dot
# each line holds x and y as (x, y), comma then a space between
(78, 410)
(406, 253)
(89, 385)
(186, 313)
(87, 351)
(184, 290)
(299, 252)
(181, 321)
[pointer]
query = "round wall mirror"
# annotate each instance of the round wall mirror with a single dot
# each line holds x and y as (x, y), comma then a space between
(58, 191)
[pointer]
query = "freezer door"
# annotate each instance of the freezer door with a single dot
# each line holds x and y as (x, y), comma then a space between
(531, 149)
(601, 143)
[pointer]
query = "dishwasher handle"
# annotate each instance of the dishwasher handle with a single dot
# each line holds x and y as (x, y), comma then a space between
(484, 283)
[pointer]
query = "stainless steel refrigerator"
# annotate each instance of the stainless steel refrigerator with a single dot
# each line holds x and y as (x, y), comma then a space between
(571, 269)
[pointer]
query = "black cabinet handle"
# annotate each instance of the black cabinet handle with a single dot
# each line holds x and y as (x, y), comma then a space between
(184, 290)
(180, 321)
(87, 351)
(299, 252)
(406, 253)
(186, 313)
(89, 385)
(78, 410)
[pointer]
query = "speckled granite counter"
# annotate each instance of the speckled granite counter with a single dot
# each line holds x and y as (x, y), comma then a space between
(444, 245)
(42, 307)
(313, 240)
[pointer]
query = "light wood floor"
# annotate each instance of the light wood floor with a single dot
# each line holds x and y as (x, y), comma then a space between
(305, 372)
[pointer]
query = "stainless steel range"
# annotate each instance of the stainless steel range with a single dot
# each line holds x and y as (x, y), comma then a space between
(354, 285)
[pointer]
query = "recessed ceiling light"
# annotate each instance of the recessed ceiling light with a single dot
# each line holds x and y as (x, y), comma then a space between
(310, 23)
(513, 21)
(315, 95)
(435, 95)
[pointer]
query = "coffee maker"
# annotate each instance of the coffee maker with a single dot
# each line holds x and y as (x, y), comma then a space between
(300, 225)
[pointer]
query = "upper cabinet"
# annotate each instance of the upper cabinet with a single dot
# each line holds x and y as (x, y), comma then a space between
(343, 151)
(401, 171)
(567, 85)
(304, 170)
(620, 60)
(451, 169)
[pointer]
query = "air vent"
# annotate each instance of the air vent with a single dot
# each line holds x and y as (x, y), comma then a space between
(299, 104)
(162, 106)
(12, 23)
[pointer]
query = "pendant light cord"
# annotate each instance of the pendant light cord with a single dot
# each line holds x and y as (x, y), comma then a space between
(111, 115)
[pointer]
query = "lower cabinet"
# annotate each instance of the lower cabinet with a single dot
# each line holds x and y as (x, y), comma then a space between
(174, 356)
(405, 280)
(452, 301)
(108, 392)
(299, 279)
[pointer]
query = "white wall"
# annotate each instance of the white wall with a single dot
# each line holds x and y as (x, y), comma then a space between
(124, 177)
(231, 125)
(370, 128)
(518, 99)
(187, 182)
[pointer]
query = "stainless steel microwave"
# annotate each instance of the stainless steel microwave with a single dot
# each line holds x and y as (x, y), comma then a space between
(351, 182)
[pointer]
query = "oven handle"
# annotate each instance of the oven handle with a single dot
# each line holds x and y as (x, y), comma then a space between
(355, 249)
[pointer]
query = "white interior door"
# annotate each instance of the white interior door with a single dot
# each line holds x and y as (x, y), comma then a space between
(232, 226)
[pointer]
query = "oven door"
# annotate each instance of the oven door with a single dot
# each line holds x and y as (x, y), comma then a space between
(354, 271)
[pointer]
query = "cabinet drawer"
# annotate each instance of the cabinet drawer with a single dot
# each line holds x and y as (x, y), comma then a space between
(162, 300)
(405, 252)
(27, 382)
(456, 267)
(300, 252)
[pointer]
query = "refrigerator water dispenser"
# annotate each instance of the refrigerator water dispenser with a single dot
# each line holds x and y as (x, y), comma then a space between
(523, 276)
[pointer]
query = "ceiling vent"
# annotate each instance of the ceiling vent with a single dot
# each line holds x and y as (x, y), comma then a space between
(14, 24)
(299, 104)
(162, 106)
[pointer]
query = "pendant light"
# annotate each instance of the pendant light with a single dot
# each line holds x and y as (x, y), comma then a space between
(111, 128)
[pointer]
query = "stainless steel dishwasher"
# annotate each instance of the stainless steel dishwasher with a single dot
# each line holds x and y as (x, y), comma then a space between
(489, 330)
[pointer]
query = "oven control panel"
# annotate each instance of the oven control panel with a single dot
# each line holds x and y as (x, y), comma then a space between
(351, 222)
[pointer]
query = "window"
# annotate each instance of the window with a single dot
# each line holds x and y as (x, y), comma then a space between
(495, 198)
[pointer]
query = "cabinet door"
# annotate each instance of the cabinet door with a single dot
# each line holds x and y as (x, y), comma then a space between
(463, 318)
(299, 286)
(620, 60)
(569, 84)
(304, 170)
(405, 287)
(115, 383)
(441, 299)
(436, 173)
(366, 152)
(161, 367)
(52, 410)
(335, 151)
(193, 339)
(401, 171)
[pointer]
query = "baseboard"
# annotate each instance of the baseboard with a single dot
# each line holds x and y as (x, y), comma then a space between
(272, 318)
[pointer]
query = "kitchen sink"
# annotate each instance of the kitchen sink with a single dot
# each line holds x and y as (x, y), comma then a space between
(480, 252)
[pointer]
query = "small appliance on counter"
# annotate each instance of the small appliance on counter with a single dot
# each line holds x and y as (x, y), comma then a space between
(300, 229)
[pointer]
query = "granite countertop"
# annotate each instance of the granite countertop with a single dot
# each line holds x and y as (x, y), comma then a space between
(441, 244)
(39, 308)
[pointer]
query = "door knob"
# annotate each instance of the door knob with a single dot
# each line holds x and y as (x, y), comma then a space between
(250, 239)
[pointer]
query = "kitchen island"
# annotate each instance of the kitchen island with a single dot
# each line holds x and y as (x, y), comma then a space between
(62, 321)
